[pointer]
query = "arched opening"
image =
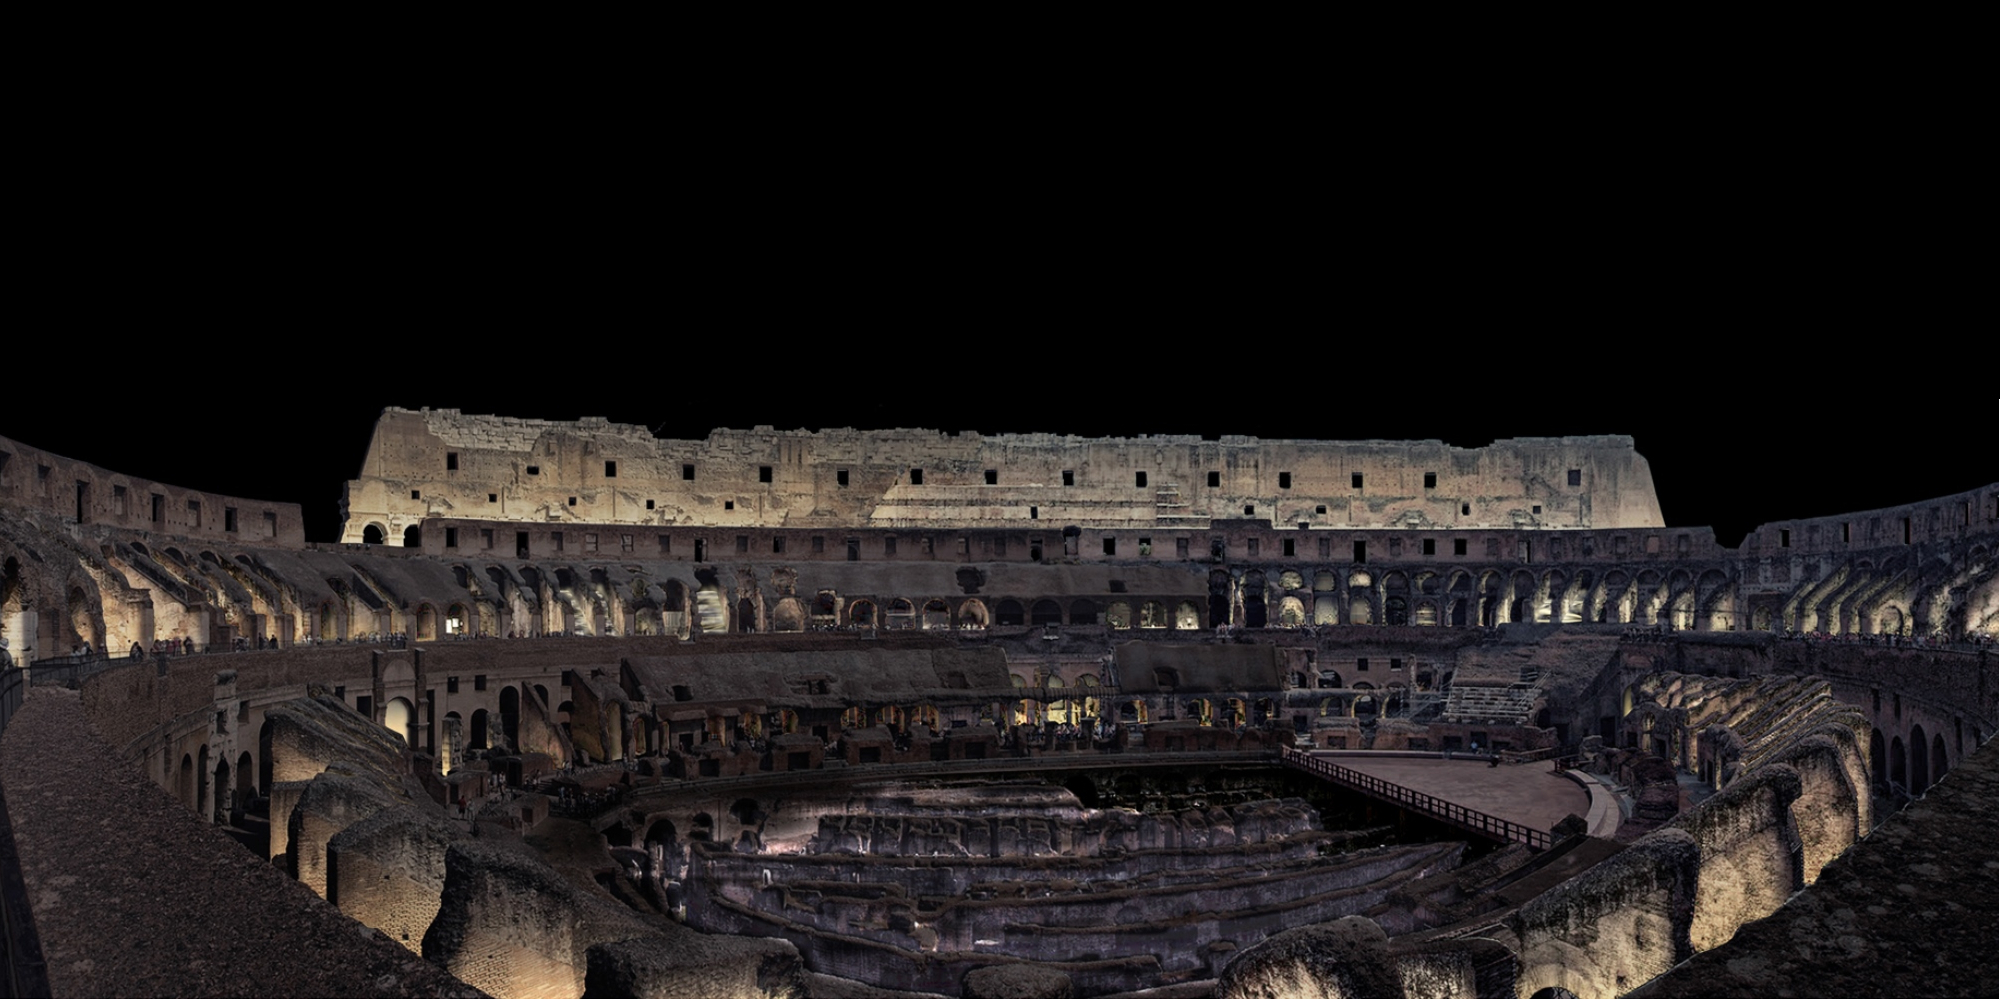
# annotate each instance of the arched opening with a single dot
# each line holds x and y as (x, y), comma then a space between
(1187, 616)
(373, 534)
(413, 537)
(936, 614)
(1009, 612)
(1045, 612)
(1920, 761)
(861, 614)
(510, 716)
(399, 718)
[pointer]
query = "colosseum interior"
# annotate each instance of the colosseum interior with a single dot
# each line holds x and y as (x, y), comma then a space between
(569, 709)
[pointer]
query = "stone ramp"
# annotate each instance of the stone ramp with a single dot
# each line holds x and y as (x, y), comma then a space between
(173, 907)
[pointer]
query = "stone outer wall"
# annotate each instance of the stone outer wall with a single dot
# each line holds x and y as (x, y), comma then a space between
(116, 500)
(431, 463)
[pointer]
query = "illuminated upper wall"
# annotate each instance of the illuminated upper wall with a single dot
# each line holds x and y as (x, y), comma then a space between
(443, 463)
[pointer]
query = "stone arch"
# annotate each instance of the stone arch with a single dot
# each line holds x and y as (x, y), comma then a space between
(1254, 613)
(400, 717)
(746, 615)
(973, 614)
(1118, 615)
(413, 537)
(1219, 589)
(936, 614)
(1083, 611)
(1187, 617)
(374, 533)
(1009, 613)
(1045, 612)
(788, 616)
(1291, 612)
(1939, 763)
(1153, 614)
(426, 623)
(861, 614)
(1919, 778)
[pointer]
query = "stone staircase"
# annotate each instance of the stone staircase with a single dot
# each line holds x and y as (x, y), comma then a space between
(1513, 703)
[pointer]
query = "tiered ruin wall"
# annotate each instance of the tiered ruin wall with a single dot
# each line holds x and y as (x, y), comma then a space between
(433, 463)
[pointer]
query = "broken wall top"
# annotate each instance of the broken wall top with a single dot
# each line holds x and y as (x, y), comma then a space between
(443, 463)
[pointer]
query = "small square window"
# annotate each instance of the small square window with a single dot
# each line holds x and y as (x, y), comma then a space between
(479, 682)
(1284, 480)
(840, 477)
(572, 501)
(451, 685)
(1214, 480)
(992, 477)
(1537, 508)
(610, 470)
(1465, 510)
(451, 465)
(451, 538)
(416, 494)
(1430, 480)
(1576, 477)
(649, 505)
(1111, 546)
(742, 543)
(1289, 547)
(1357, 480)
(1321, 509)
(1361, 552)
(1430, 546)
(492, 498)
(916, 477)
(1361, 664)
(1139, 479)
(1458, 546)
(687, 472)
(763, 473)
(728, 505)
(889, 546)
(1069, 477)
(777, 544)
(819, 544)
(534, 470)
(1249, 509)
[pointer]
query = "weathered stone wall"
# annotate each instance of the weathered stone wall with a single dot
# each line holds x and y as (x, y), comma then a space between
(387, 871)
(512, 926)
(441, 462)
(83, 493)
(1615, 926)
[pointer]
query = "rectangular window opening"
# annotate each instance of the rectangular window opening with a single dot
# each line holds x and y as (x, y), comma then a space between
(840, 477)
(763, 473)
(451, 461)
(992, 477)
(1289, 547)
(610, 469)
(687, 473)
(1458, 546)
(1069, 477)
(534, 470)
(1357, 480)
(1138, 479)
(1361, 552)
(1430, 480)
(1576, 477)
(1111, 546)
(1430, 546)
(1214, 480)
(916, 477)
(1284, 480)
(451, 538)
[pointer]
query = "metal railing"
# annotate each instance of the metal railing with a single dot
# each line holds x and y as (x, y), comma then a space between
(1410, 798)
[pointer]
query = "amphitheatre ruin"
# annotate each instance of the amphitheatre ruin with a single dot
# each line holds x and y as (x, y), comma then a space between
(570, 709)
